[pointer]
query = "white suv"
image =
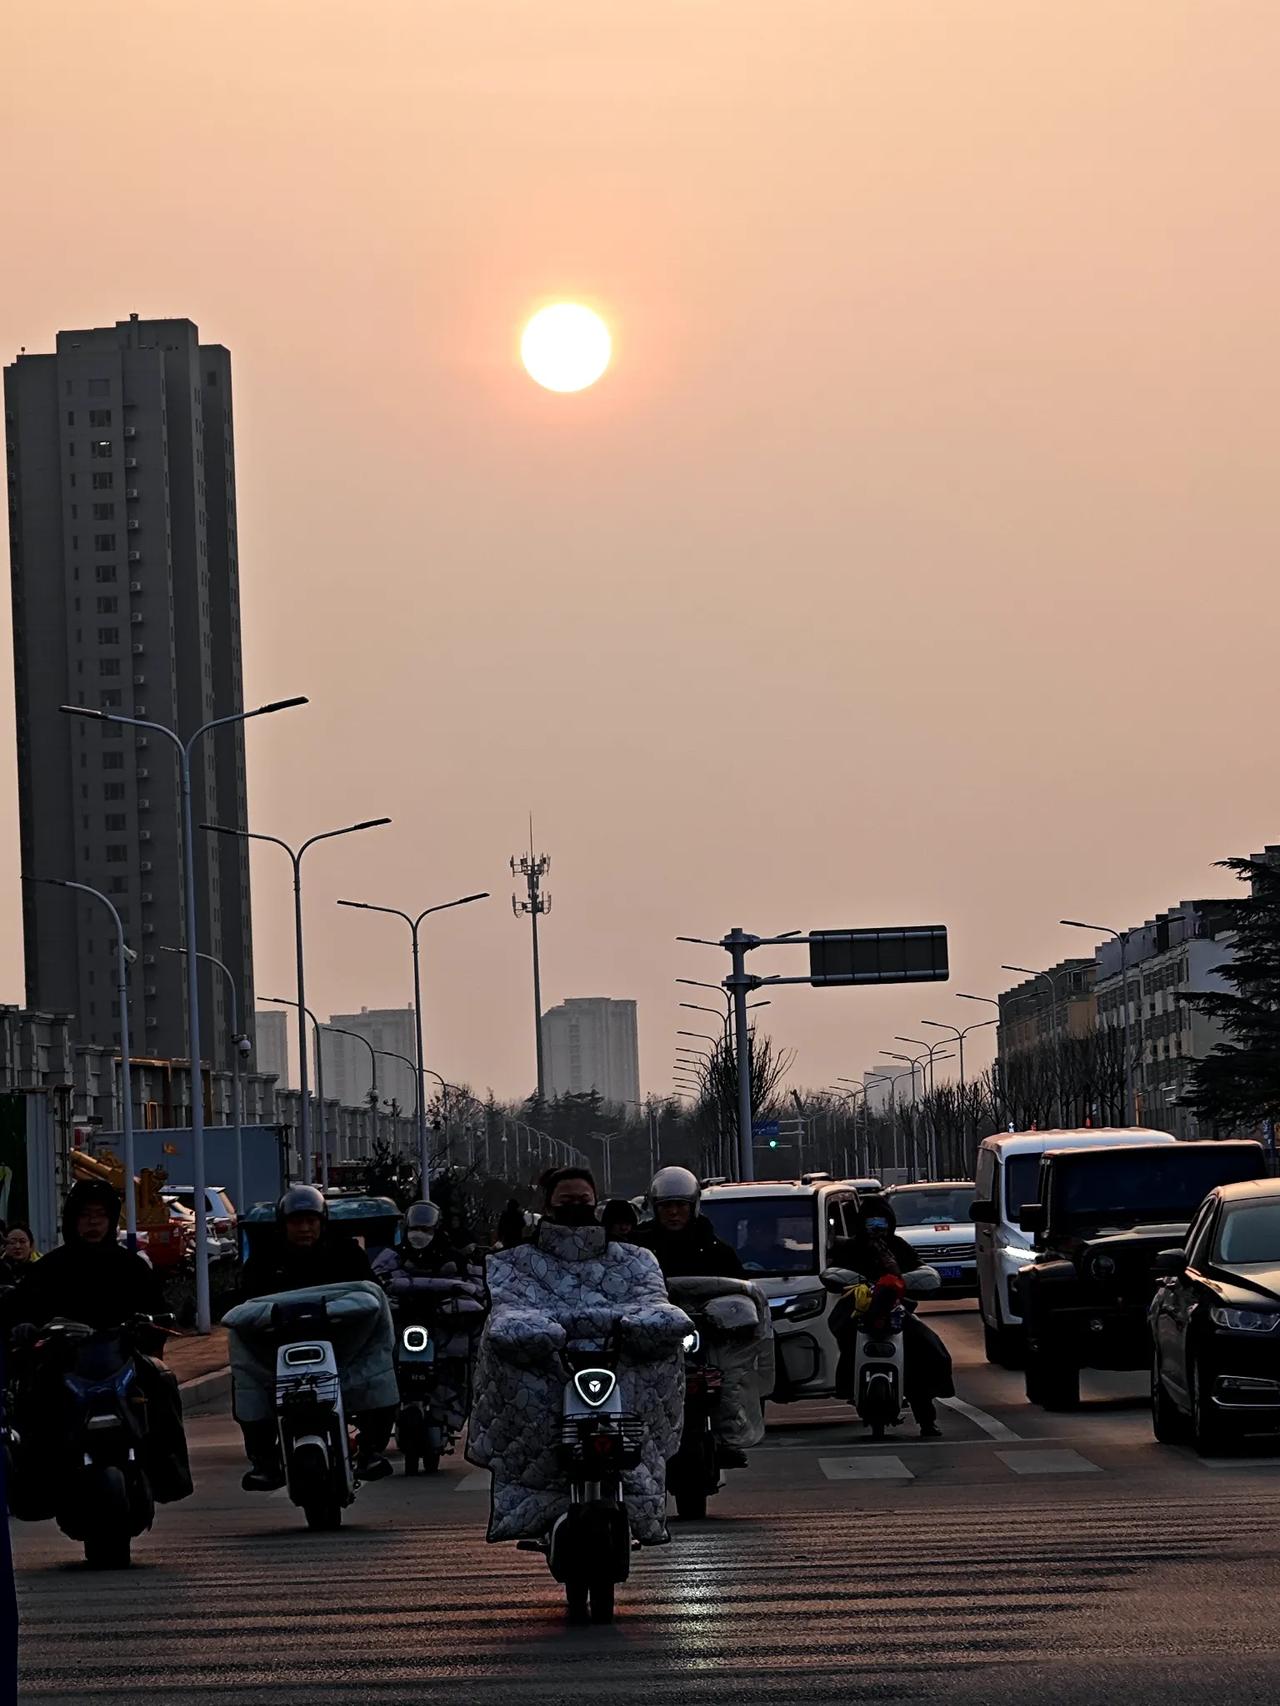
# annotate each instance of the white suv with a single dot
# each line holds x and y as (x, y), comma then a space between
(783, 1231)
(1006, 1176)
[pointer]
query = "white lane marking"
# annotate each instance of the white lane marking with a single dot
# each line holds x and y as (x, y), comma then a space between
(989, 1424)
(476, 1482)
(1240, 1462)
(900, 1444)
(865, 1469)
(1048, 1463)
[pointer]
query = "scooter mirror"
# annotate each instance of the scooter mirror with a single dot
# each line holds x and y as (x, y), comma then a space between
(839, 1279)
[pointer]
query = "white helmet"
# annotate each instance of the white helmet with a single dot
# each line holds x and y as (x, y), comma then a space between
(675, 1184)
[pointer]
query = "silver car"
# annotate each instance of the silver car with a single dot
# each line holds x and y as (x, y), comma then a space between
(934, 1220)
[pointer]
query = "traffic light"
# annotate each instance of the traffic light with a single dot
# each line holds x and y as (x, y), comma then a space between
(773, 1143)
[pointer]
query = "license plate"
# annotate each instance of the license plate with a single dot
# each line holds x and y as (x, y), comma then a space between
(950, 1273)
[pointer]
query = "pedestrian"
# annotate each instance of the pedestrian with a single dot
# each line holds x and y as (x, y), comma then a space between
(18, 1253)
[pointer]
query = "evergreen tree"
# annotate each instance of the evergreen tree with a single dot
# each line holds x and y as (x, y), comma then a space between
(1238, 1084)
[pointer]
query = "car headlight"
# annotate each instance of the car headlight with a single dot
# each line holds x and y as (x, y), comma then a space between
(1016, 1253)
(1245, 1320)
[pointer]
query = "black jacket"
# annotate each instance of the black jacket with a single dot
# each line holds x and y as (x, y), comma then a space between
(693, 1251)
(99, 1284)
(289, 1267)
(873, 1256)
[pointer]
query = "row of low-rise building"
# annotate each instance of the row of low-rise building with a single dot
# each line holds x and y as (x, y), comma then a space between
(1145, 978)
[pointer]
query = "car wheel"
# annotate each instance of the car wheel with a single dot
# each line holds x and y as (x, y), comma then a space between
(1003, 1346)
(1051, 1382)
(1167, 1422)
(1208, 1435)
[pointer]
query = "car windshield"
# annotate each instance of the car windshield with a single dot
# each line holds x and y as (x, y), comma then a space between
(1164, 1182)
(930, 1208)
(1249, 1233)
(772, 1235)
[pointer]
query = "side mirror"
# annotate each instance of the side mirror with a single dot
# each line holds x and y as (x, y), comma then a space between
(982, 1212)
(839, 1279)
(1169, 1264)
(1032, 1217)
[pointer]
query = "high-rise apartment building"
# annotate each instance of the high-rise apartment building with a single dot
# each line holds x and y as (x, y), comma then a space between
(347, 1065)
(591, 1043)
(271, 1052)
(122, 523)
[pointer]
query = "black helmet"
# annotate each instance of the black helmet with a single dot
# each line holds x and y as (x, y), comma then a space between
(301, 1199)
(84, 1194)
(421, 1217)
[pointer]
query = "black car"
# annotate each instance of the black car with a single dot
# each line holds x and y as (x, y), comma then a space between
(1215, 1322)
(1102, 1218)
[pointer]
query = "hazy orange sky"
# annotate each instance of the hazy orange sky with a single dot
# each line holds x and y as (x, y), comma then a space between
(915, 562)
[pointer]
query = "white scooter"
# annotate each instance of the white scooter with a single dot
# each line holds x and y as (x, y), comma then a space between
(877, 1388)
(589, 1549)
(315, 1446)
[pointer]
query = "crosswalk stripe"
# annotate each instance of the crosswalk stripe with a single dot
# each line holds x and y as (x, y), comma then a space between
(1048, 1463)
(877, 1468)
(990, 1425)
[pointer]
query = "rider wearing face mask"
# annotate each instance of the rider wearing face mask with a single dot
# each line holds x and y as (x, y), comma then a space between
(425, 1250)
(874, 1251)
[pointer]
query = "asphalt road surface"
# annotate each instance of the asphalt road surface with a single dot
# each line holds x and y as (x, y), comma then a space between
(1060, 1560)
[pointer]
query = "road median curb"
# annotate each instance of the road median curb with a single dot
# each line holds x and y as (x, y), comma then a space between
(205, 1392)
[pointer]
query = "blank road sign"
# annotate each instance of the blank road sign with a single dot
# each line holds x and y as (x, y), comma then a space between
(916, 954)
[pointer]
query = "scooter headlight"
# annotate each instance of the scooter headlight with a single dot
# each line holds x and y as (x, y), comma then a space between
(415, 1338)
(690, 1342)
(595, 1385)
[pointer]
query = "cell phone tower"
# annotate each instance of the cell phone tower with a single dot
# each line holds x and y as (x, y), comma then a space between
(533, 867)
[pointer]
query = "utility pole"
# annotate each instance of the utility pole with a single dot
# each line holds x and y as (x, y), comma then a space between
(533, 867)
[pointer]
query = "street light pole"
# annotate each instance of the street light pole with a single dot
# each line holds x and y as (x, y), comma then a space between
(1122, 937)
(958, 1035)
(415, 925)
(204, 1322)
(237, 1100)
(1046, 977)
(284, 1001)
(295, 856)
(342, 1031)
(390, 1054)
(124, 958)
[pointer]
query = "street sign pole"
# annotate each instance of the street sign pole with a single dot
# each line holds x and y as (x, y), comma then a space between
(737, 943)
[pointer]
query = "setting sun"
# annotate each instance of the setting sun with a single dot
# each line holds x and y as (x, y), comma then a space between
(566, 347)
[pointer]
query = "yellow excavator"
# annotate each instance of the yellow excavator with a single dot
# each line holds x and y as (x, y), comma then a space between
(164, 1238)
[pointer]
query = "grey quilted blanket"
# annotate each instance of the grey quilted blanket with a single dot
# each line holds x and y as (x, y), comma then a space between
(571, 1287)
(361, 1333)
(745, 1359)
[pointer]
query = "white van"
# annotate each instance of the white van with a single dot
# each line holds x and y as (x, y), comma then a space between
(1006, 1176)
(783, 1231)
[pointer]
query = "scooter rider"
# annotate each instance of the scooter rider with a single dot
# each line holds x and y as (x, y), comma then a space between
(425, 1253)
(307, 1252)
(875, 1251)
(683, 1240)
(686, 1245)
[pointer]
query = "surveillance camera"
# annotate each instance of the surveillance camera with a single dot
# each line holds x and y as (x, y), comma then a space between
(245, 1047)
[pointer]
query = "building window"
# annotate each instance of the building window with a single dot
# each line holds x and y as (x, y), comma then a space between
(100, 449)
(99, 387)
(108, 604)
(119, 885)
(108, 636)
(99, 417)
(104, 571)
(117, 821)
(112, 791)
(104, 541)
(71, 417)
(108, 666)
(116, 854)
(102, 482)
(113, 761)
(104, 512)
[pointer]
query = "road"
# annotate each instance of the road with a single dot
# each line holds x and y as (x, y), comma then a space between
(1025, 1557)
